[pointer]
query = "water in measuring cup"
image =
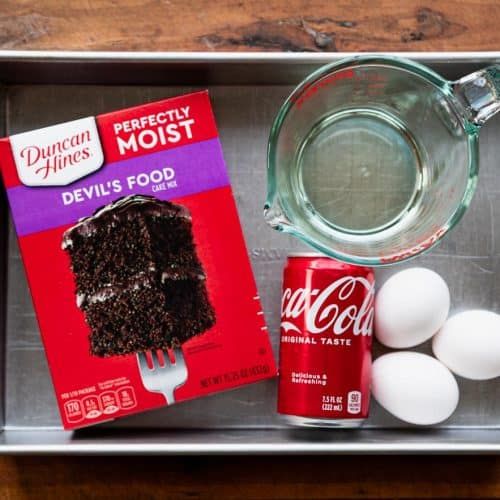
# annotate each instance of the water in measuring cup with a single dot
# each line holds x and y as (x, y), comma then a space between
(360, 170)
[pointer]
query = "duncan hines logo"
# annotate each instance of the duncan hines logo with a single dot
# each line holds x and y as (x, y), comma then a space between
(329, 310)
(58, 155)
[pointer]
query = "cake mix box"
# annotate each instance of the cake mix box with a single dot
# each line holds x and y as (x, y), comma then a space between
(135, 259)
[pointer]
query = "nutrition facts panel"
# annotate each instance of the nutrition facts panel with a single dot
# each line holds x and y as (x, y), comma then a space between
(93, 406)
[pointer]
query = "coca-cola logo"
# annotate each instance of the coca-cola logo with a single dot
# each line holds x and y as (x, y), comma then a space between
(57, 155)
(330, 310)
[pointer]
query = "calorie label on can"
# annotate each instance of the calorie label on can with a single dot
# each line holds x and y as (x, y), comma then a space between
(326, 336)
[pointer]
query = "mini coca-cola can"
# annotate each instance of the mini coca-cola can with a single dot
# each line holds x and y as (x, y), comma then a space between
(325, 342)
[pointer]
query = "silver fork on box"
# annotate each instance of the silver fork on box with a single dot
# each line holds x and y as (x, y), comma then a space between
(163, 377)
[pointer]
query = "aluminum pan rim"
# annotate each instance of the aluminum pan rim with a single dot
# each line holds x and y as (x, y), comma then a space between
(234, 57)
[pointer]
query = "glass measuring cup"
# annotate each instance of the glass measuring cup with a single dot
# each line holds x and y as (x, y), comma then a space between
(372, 160)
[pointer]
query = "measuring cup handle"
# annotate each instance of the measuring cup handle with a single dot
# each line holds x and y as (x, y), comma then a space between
(479, 94)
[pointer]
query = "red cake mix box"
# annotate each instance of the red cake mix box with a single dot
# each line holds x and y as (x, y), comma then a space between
(135, 259)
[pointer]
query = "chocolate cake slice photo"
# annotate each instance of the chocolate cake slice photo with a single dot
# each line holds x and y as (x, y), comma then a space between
(138, 278)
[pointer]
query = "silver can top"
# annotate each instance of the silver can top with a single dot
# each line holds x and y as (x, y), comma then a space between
(307, 254)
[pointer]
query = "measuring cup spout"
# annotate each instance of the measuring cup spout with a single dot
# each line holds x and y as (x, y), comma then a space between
(274, 214)
(479, 94)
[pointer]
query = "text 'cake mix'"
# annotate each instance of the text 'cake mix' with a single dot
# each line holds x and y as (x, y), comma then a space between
(130, 238)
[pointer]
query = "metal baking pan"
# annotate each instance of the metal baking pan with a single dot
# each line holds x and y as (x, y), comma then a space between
(42, 88)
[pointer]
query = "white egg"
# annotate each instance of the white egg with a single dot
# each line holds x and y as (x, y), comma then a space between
(411, 307)
(414, 387)
(469, 344)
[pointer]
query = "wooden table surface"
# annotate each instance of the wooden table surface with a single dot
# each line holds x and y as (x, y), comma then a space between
(258, 25)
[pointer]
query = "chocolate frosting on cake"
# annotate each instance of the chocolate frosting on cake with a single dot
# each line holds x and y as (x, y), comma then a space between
(119, 209)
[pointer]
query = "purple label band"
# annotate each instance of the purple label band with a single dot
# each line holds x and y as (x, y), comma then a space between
(166, 175)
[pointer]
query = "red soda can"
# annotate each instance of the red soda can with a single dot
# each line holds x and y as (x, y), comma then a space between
(325, 343)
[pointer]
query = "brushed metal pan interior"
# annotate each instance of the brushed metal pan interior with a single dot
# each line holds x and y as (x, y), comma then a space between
(42, 88)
